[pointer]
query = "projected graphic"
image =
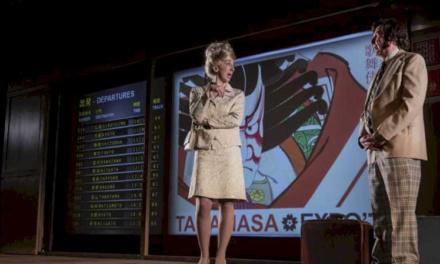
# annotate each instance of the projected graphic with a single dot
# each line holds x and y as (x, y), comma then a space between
(299, 137)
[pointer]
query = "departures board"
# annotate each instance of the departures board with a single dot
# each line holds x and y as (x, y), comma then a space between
(109, 161)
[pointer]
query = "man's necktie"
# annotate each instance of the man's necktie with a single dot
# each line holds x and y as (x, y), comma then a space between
(381, 71)
(376, 82)
(373, 94)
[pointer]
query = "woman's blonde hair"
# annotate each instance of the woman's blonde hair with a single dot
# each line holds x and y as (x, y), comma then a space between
(215, 52)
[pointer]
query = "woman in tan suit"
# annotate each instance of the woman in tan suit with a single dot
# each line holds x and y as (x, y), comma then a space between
(216, 111)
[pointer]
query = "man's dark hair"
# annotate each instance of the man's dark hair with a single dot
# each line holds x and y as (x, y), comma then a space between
(392, 32)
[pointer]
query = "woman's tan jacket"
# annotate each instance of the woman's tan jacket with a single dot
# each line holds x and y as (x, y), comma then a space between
(223, 115)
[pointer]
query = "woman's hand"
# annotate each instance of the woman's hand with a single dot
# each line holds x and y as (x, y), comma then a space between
(217, 90)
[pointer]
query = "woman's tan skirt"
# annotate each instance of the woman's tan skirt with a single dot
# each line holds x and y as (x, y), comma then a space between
(218, 174)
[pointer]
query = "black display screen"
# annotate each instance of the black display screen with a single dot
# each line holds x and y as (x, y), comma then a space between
(109, 161)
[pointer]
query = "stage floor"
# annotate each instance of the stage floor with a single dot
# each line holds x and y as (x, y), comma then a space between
(30, 259)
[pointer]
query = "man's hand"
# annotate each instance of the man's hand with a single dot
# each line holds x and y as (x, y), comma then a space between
(372, 143)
